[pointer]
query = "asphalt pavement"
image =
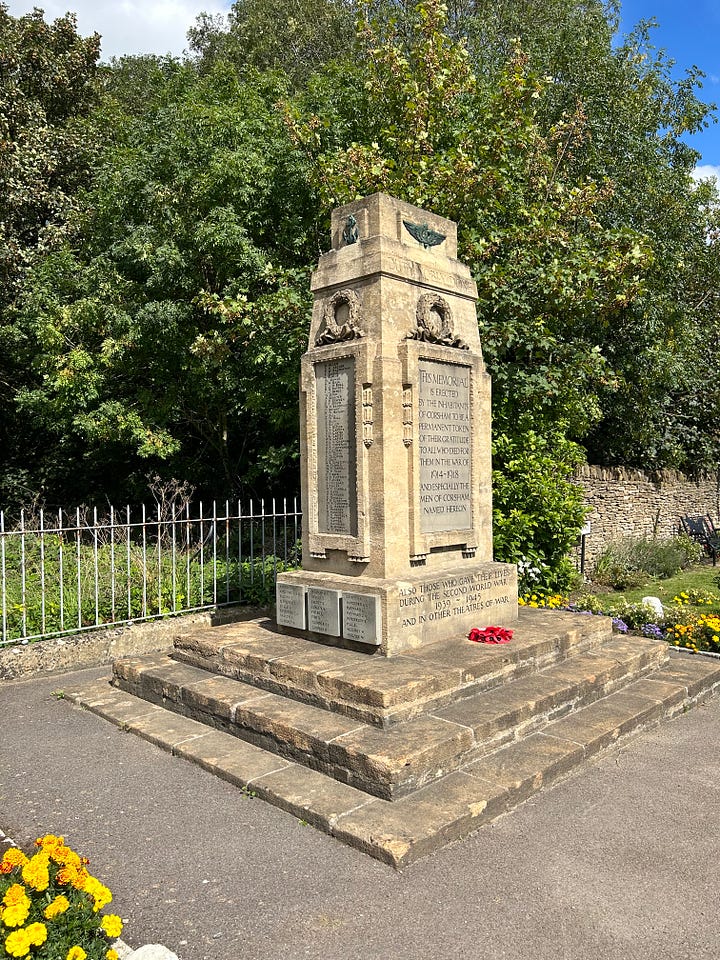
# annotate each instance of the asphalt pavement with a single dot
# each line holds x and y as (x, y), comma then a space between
(619, 861)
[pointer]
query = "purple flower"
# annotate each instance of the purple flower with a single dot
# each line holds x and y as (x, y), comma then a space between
(619, 625)
(652, 630)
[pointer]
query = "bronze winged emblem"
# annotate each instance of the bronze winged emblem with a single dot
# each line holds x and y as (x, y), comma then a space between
(423, 234)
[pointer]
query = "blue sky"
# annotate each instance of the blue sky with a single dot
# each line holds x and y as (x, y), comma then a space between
(690, 33)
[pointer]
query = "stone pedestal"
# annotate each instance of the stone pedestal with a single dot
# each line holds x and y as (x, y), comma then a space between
(395, 441)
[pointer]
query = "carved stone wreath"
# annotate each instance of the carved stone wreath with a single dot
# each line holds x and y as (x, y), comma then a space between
(435, 323)
(334, 332)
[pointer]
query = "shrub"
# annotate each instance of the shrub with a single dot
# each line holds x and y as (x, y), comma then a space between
(628, 562)
(537, 509)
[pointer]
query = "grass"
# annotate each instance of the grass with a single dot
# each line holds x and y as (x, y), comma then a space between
(693, 623)
(699, 577)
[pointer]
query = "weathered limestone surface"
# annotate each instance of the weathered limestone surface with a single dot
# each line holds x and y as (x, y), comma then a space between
(395, 441)
(403, 792)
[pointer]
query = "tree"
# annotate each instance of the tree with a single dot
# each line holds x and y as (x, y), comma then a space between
(291, 37)
(435, 133)
(167, 339)
(48, 87)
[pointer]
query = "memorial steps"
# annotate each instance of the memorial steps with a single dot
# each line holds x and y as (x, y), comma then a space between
(398, 756)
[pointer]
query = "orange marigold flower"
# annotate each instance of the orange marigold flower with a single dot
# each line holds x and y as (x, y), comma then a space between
(50, 840)
(59, 905)
(35, 872)
(12, 858)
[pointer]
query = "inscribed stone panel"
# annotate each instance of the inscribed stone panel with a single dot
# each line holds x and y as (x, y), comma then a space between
(361, 618)
(290, 605)
(336, 439)
(445, 447)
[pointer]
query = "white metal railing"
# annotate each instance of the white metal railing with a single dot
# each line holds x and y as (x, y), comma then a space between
(62, 572)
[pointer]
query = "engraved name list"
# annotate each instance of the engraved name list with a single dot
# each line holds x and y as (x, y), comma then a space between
(444, 446)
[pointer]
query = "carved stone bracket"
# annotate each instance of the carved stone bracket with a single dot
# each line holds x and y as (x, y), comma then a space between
(350, 231)
(407, 415)
(367, 415)
(341, 319)
(435, 323)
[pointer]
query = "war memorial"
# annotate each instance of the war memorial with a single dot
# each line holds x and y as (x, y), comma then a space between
(362, 706)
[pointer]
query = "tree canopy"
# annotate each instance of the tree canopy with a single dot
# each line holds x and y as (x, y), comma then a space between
(161, 217)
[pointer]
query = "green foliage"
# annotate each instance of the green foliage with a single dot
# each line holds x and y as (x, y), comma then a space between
(280, 35)
(629, 561)
(170, 339)
(537, 510)
(47, 88)
(70, 586)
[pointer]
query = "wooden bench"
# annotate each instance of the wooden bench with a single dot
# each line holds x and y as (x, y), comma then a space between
(702, 530)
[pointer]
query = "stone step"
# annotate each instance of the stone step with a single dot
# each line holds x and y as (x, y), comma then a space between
(380, 690)
(400, 831)
(390, 762)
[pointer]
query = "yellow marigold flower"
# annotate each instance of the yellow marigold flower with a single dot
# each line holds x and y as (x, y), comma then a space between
(112, 955)
(16, 894)
(112, 925)
(37, 934)
(16, 915)
(59, 905)
(76, 953)
(12, 858)
(100, 893)
(35, 872)
(17, 944)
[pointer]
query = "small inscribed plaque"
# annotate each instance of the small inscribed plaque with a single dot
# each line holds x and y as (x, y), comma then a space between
(290, 605)
(445, 447)
(361, 618)
(336, 466)
(324, 611)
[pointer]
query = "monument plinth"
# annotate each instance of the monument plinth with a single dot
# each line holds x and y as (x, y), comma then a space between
(395, 442)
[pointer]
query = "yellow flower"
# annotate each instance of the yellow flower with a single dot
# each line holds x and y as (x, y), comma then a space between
(16, 915)
(59, 905)
(16, 894)
(37, 933)
(112, 955)
(112, 925)
(17, 943)
(35, 872)
(100, 893)
(76, 953)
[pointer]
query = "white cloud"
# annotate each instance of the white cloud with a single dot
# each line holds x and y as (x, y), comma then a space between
(129, 26)
(706, 171)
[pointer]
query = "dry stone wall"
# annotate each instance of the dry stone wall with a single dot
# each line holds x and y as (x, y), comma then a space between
(626, 502)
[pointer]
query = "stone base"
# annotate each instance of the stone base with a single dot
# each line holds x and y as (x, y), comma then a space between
(397, 615)
(468, 731)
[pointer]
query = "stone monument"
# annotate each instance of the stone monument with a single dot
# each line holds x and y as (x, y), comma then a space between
(395, 442)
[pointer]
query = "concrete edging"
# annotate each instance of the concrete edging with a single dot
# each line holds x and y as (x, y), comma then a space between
(96, 648)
